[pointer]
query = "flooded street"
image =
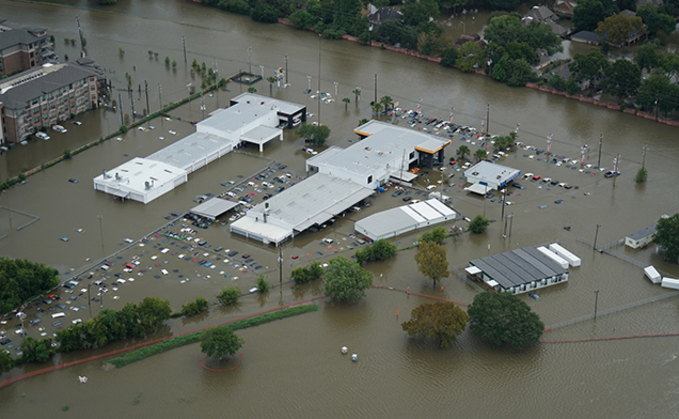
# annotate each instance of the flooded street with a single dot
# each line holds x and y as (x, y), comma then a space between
(296, 363)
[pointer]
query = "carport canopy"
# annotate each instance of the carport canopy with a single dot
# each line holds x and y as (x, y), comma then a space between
(213, 208)
(478, 188)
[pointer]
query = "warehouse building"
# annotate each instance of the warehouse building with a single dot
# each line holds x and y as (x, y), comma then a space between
(400, 220)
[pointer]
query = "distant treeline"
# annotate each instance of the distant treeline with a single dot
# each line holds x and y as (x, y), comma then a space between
(22, 280)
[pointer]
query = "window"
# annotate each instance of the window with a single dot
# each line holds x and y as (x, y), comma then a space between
(370, 179)
(36, 120)
(412, 155)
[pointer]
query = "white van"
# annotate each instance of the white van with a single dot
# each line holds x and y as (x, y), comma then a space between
(58, 315)
(431, 187)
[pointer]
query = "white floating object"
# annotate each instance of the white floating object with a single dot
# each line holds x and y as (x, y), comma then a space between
(354, 357)
(82, 379)
(653, 274)
(253, 289)
(345, 350)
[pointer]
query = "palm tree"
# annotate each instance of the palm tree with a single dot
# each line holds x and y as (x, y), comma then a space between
(252, 90)
(480, 154)
(463, 151)
(377, 108)
(271, 80)
(346, 101)
(386, 101)
(357, 93)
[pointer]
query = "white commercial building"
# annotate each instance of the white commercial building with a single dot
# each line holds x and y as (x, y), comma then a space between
(486, 176)
(251, 118)
(403, 219)
(386, 151)
(312, 201)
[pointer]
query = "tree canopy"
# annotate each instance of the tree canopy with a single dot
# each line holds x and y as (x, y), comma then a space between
(469, 56)
(229, 295)
(435, 235)
(623, 78)
(503, 318)
(21, 280)
(315, 134)
(219, 342)
(590, 66)
(302, 275)
(588, 13)
(440, 320)
(6, 361)
(667, 237)
(379, 250)
(431, 261)
(479, 224)
(345, 280)
(617, 28)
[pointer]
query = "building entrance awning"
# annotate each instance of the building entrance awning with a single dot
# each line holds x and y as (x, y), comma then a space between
(478, 188)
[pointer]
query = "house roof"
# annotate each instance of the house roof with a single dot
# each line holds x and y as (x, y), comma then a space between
(562, 70)
(565, 5)
(643, 233)
(540, 14)
(628, 13)
(383, 14)
(11, 36)
(518, 267)
(586, 36)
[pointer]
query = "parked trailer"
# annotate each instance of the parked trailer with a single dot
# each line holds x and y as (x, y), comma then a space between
(653, 274)
(556, 258)
(564, 253)
(670, 283)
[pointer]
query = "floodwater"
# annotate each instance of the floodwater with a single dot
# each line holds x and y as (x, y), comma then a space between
(296, 363)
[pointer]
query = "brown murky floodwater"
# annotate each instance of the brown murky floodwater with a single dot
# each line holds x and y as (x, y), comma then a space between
(294, 366)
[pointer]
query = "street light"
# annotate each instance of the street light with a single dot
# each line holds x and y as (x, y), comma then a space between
(320, 35)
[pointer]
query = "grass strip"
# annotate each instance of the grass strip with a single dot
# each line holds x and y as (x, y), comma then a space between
(194, 337)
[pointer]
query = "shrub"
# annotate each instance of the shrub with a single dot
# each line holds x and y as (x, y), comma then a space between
(194, 307)
(229, 296)
(262, 285)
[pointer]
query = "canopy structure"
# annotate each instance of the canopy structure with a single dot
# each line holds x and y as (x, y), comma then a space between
(213, 208)
(478, 188)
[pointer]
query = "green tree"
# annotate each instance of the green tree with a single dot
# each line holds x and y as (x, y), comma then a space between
(264, 13)
(83, 42)
(301, 19)
(667, 237)
(363, 121)
(656, 87)
(197, 306)
(480, 154)
(436, 235)
(588, 13)
(504, 4)
(432, 43)
(357, 93)
(590, 66)
(387, 102)
(647, 57)
(271, 80)
(219, 342)
(416, 12)
(642, 175)
(379, 250)
(70, 339)
(541, 35)
(229, 296)
(656, 21)
(346, 101)
(21, 280)
(463, 151)
(6, 361)
(479, 224)
(624, 78)
(345, 280)
(377, 108)
(520, 73)
(251, 89)
(670, 65)
(440, 320)
(121, 51)
(262, 284)
(469, 56)
(174, 64)
(617, 28)
(314, 134)
(431, 261)
(153, 311)
(167, 61)
(557, 82)
(503, 318)
(505, 29)
(301, 275)
(36, 350)
(449, 57)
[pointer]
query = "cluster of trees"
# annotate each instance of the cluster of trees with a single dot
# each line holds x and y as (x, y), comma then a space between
(499, 318)
(623, 78)
(194, 307)
(379, 250)
(22, 280)
(314, 134)
(133, 320)
(304, 274)
(207, 75)
(603, 16)
(667, 237)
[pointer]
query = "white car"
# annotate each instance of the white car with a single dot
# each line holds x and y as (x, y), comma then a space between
(164, 272)
(165, 250)
(42, 136)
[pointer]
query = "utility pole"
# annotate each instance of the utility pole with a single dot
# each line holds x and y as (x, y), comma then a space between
(319, 78)
(146, 89)
(511, 223)
(643, 160)
(596, 302)
(101, 233)
(601, 140)
(280, 264)
(488, 119)
(120, 102)
(286, 69)
(596, 235)
(80, 31)
(616, 169)
(184, 46)
(375, 87)
(160, 96)
(250, 59)
(504, 202)
(129, 90)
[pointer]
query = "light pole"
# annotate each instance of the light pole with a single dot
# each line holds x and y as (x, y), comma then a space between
(101, 233)
(336, 83)
(261, 69)
(188, 90)
(250, 59)
(601, 140)
(596, 302)
(643, 160)
(319, 78)
(596, 235)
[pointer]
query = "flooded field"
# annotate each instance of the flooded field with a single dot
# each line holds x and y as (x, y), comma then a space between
(296, 363)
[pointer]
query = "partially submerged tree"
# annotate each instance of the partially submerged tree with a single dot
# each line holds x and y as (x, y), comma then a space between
(345, 280)
(229, 295)
(503, 318)
(219, 342)
(479, 224)
(314, 134)
(431, 261)
(435, 235)
(440, 320)
(379, 250)
(302, 275)
(667, 237)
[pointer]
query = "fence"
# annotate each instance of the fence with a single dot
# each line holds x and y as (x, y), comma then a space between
(627, 306)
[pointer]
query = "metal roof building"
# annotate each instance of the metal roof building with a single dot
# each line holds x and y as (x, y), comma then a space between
(403, 219)
(518, 271)
(194, 151)
(213, 208)
(312, 201)
(492, 175)
(285, 111)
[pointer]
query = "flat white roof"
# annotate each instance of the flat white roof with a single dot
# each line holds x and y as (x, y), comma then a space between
(403, 219)
(235, 117)
(249, 226)
(491, 173)
(132, 176)
(213, 208)
(261, 134)
(281, 106)
(386, 146)
(311, 201)
(477, 188)
(192, 149)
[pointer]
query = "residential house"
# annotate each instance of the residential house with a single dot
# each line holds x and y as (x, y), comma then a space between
(564, 7)
(470, 37)
(383, 14)
(539, 14)
(586, 37)
(565, 73)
